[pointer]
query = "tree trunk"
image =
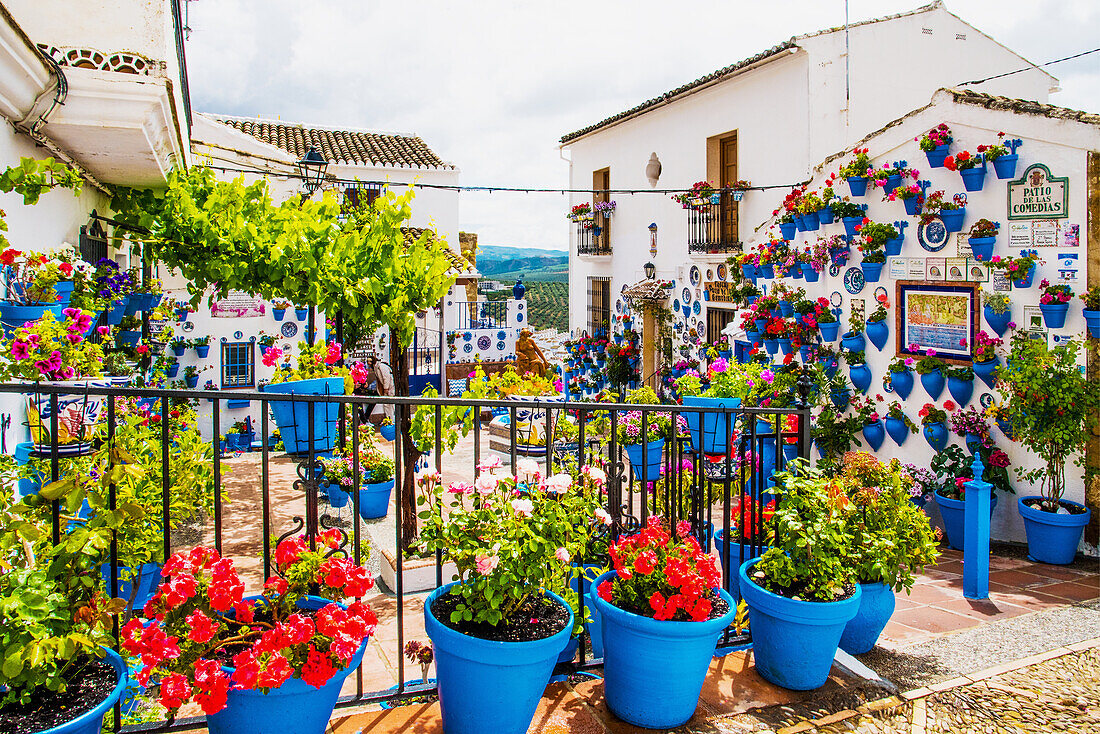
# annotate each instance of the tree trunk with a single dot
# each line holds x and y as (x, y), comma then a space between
(410, 454)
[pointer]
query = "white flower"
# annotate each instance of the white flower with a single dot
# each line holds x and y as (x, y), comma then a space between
(595, 473)
(490, 464)
(523, 507)
(486, 483)
(527, 468)
(603, 516)
(559, 483)
(562, 555)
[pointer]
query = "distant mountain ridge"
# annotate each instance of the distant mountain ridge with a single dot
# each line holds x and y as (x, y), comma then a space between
(526, 262)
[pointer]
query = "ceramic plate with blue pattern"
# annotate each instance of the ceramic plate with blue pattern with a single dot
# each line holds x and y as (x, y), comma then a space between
(694, 275)
(854, 280)
(932, 236)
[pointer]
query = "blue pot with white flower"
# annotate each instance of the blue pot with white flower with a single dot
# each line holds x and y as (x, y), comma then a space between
(647, 467)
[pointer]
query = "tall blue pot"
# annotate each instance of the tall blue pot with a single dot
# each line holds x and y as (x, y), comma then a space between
(861, 376)
(654, 670)
(998, 321)
(953, 513)
(650, 470)
(850, 224)
(1052, 538)
(766, 271)
(825, 216)
(876, 606)
(853, 341)
(973, 443)
(902, 383)
(808, 272)
(985, 371)
(961, 390)
(788, 229)
(937, 155)
(875, 434)
(374, 499)
(933, 384)
(794, 642)
(829, 331)
(936, 435)
(293, 417)
(857, 185)
(878, 332)
(897, 429)
(731, 556)
(487, 686)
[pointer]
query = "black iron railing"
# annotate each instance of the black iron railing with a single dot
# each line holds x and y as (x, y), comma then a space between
(594, 236)
(712, 224)
(703, 490)
(482, 314)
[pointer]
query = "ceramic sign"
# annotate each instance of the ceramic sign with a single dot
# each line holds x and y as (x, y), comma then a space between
(1038, 195)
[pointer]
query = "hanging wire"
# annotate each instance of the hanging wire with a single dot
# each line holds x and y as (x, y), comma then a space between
(1029, 68)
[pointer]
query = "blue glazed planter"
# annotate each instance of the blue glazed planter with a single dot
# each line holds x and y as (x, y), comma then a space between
(861, 376)
(91, 722)
(932, 383)
(337, 497)
(896, 429)
(654, 670)
(786, 310)
(937, 155)
(772, 345)
(731, 556)
(278, 313)
(1092, 320)
(147, 581)
(1052, 538)
(973, 443)
(825, 216)
(785, 345)
(936, 436)
(973, 178)
(388, 432)
(811, 221)
(808, 272)
(830, 366)
(953, 513)
(748, 270)
(595, 627)
(985, 371)
(876, 606)
(893, 247)
(753, 337)
(953, 219)
(853, 341)
(202, 350)
(892, 182)
(1005, 165)
(128, 338)
(961, 390)
(840, 398)
(760, 324)
(857, 185)
(800, 222)
(998, 321)
(292, 418)
(650, 470)
(295, 706)
(192, 381)
(374, 499)
(1025, 282)
(301, 314)
(902, 382)
(829, 331)
(766, 271)
(806, 353)
(871, 271)
(487, 686)
(794, 642)
(788, 229)
(117, 311)
(982, 247)
(912, 205)
(878, 332)
(875, 434)
(173, 370)
(178, 348)
(850, 224)
(1054, 314)
(13, 316)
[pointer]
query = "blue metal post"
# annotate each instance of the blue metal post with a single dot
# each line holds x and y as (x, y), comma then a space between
(976, 544)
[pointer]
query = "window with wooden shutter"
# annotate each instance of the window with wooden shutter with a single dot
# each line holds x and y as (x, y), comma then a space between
(599, 306)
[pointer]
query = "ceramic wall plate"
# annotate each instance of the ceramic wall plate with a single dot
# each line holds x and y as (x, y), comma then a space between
(289, 329)
(933, 236)
(985, 400)
(694, 275)
(834, 269)
(853, 280)
(710, 274)
(696, 308)
(722, 274)
(836, 299)
(619, 305)
(685, 295)
(675, 305)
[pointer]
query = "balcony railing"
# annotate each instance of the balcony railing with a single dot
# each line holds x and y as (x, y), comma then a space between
(482, 314)
(712, 224)
(594, 236)
(276, 495)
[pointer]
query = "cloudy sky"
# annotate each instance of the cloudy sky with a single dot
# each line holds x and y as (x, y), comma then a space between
(492, 84)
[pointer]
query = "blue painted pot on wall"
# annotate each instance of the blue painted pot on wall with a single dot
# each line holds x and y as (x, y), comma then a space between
(337, 497)
(893, 247)
(872, 272)
(878, 332)
(786, 310)
(203, 350)
(937, 155)
(936, 435)
(794, 642)
(902, 383)
(830, 365)
(295, 706)
(128, 338)
(953, 219)
(973, 443)
(388, 432)
(192, 381)
(1092, 320)
(788, 229)
(748, 270)
(954, 518)
(800, 222)
(973, 178)
(812, 222)
(857, 185)
(876, 606)
(487, 686)
(897, 429)
(785, 345)
(875, 434)
(840, 398)
(1052, 538)
(766, 271)
(1025, 282)
(654, 670)
(853, 341)
(998, 321)
(1005, 165)
(861, 376)
(772, 345)
(91, 722)
(825, 216)
(374, 499)
(278, 313)
(147, 581)
(178, 348)
(117, 311)
(293, 417)
(985, 370)
(961, 390)
(912, 205)
(650, 470)
(301, 314)
(892, 182)
(933, 384)
(850, 224)
(808, 272)
(173, 370)
(731, 556)
(982, 247)
(829, 331)
(1054, 314)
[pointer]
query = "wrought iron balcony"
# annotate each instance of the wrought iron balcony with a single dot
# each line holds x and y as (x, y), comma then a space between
(712, 224)
(594, 236)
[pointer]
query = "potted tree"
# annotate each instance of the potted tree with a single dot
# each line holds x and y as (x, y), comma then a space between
(1053, 408)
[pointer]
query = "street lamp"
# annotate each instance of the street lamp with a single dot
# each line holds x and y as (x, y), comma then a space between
(312, 166)
(650, 271)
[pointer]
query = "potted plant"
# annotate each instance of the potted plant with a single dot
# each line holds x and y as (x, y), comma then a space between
(852, 340)
(856, 171)
(317, 373)
(663, 593)
(826, 320)
(972, 426)
(851, 215)
(998, 311)
(910, 195)
(953, 469)
(870, 422)
(279, 307)
(891, 541)
(897, 423)
(971, 167)
(960, 383)
(936, 143)
(1053, 408)
(700, 196)
(201, 345)
(932, 371)
(874, 256)
(878, 330)
(858, 370)
(377, 472)
(750, 521)
(644, 447)
(503, 623)
(266, 342)
(986, 360)
(129, 332)
(934, 421)
(899, 376)
(834, 431)
(301, 313)
(31, 287)
(1054, 303)
(726, 387)
(1020, 270)
(179, 346)
(924, 484)
(605, 208)
(1091, 298)
(951, 211)
(889, 177)
(983, 234)
(387, 429)
(1003, 156)
(191, 375)
(802, 593)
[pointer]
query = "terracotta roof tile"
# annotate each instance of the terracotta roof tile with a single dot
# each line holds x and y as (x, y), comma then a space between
(1022, 106)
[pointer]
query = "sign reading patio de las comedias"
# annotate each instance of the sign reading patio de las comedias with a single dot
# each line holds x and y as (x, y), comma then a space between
(1038, 195)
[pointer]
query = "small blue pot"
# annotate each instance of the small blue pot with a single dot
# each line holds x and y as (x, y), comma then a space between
(794, 642)
(808, 272)
(830, 365)
(936, 436)
(973, 178)
(812, 222)
(872, 272)
(731, 556)
(932, 383)
(191, 381)
(853, 341)
(998, 321)
(985, 371)
(973, 443)
(876, 606)
(861, 377)
(878, 332)
(896, 429)
(785, 345)
(178, 348)
(117, 311)
(302, 314)
(374, 499)
(937, 156)
(128, 338)
(1052, 538)
(766, 271)
(654, 670)
(840, 398)
(829, 331)
(1005, 165)
(912, 205)
(753, 337)
(772, 345)
(278, 313)
(748, 270)
(961, 390)
(875, 434)
(1025, 282)
(902, 382)
(1054, 314)
(788, 229)
(825, 216)
(173, 370)
(760, 324)
(953, 219)
(892, 182)
(893, 247)
(337, 497)
(487, 686)
(786, 310)
(388, 432)
(953, 513)
(982, 247)
(1092, 320)
(202, 350)
(857, 185)
(650, 471)
(850, 224)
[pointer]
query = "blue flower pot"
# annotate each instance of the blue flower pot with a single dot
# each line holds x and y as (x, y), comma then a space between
(117, 311)
(13, 316)
(861, 377)
(912, 205)
(893, 247)
(292, 418)
(1092, 321)
(982, 247)
(337, 497)
(800, 223)
(961, 390)
(148, 578)
(892, 182)
(654, 670)
(487, 686)
(786, 310)
(875, 434)
(1005, 165)
(91, 722)
(805, 352)
(753, 337)
(871, 271)
(1025, 282)
(808, 272)
(857, 185)
(134, 303)
(936, 436)
(788, 229)
(1052, 538)
(876, 606)
(388, 432)
(829, 331)
(785, 345)
(840, 398)
(647, 468)
(295, 706)
(878, 332)
(588, 572)
(794, 642)
(998, 321)
(812, 222)
(825, 216)
(973, 443)
(173, 370)
(896, 429)
(278, 313)
(985, 371)
(128, 338)
(178, 348)
(933, 384)
(853, 341)
(850, 224)
(953, 513)
(973, 178)
(1006, 429)
(709, 431)
(830, 366)
(760, 324)
(953, 219)
(202, 350)
(731, 556)
(765, 271)
(374, 499)
(937, 155)
(301, 314)
(902, 382)
(772, 345)
(748, 270)
(1054, 314)
(191, 381)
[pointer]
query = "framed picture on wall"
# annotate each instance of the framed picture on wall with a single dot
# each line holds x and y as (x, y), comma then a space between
(938, 316)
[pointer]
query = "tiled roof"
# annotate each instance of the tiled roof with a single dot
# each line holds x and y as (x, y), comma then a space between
(340, 146)
(647, 290)
(1022, 106)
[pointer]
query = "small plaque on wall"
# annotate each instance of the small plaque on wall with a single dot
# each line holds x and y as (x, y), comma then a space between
(976, 272)
(899, 268)
(935, 268)
(962, 245)
(916, 268)
(956, 268)
(1044, 233)
(1001, 281)
(1019, 235)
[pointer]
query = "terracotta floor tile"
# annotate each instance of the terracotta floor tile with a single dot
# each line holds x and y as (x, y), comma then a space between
(733, 686)
(1058, 573)
(950, 554)
(1016, 578)
(1072, 590)
(901, 601)
(985, 610)
(419, 719)
(934, 574)
(902, 634)
(592, 693)
(952, 566)
(1032, 599)
(1004, 563)
(930, 619)
(931, 593)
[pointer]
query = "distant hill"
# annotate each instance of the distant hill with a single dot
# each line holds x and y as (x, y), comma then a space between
(502, 263)
(547, 303)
